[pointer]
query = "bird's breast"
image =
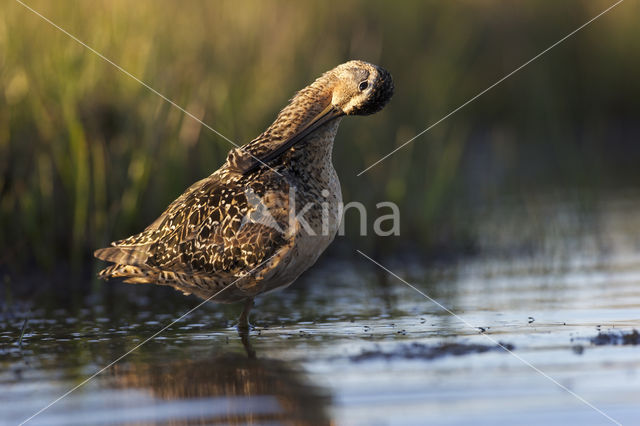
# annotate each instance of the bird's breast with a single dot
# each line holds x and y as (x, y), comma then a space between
(315, 202)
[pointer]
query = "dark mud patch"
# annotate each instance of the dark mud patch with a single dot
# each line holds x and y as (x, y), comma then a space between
(617, 338)
(429, 352)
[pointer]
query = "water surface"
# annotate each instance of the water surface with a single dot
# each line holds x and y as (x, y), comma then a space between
(351, 344)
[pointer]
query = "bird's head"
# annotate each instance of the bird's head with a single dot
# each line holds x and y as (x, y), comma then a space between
(360, 88)
(353, 88)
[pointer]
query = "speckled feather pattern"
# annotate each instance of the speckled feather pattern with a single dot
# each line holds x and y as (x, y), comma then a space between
(207, 238)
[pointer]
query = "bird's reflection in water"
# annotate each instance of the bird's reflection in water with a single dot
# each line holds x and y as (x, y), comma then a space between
(228, 388)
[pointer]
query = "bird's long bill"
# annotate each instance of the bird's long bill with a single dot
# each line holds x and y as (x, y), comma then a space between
(328, 114)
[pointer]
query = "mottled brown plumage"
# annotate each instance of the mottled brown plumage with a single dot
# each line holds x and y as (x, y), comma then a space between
(236, 225)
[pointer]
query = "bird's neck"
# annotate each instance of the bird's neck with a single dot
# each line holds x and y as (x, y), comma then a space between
(303, 107)
(316, 148)
(313, 155)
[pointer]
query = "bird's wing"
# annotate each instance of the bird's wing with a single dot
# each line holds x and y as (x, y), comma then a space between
(217, 227)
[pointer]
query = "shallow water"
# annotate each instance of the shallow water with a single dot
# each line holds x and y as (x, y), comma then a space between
(351, 344)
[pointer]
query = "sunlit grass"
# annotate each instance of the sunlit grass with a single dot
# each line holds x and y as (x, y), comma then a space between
(88, 155)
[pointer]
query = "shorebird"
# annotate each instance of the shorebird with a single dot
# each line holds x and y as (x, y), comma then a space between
(267, 213)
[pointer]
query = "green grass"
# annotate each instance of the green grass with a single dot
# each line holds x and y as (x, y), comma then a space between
(88, 155)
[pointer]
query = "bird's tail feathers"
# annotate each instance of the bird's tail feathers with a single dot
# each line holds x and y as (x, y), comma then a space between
(136, 255)
(132, 274)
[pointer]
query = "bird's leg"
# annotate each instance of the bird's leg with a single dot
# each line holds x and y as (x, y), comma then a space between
(243, 321)
(246, 342)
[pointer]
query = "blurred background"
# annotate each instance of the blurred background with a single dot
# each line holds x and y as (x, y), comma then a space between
(519, 212)
(88, 155)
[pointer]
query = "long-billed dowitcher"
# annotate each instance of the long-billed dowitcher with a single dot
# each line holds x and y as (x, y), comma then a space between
(232, 233)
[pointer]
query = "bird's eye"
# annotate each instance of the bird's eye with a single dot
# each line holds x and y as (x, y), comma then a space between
(363, 85)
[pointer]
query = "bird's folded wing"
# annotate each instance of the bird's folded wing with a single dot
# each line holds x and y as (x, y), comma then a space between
(212, 228)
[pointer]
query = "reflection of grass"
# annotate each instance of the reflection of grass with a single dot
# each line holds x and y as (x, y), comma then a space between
(88, 155)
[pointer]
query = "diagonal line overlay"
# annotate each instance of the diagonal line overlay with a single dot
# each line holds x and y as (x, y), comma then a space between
(127, 73)
(494, 341)
(490, 87)
(88, 379)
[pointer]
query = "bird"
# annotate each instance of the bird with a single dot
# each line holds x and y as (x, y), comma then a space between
(265, 216)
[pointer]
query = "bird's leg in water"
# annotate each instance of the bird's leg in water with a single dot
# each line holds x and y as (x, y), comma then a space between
(243, 321)
(246, 342)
